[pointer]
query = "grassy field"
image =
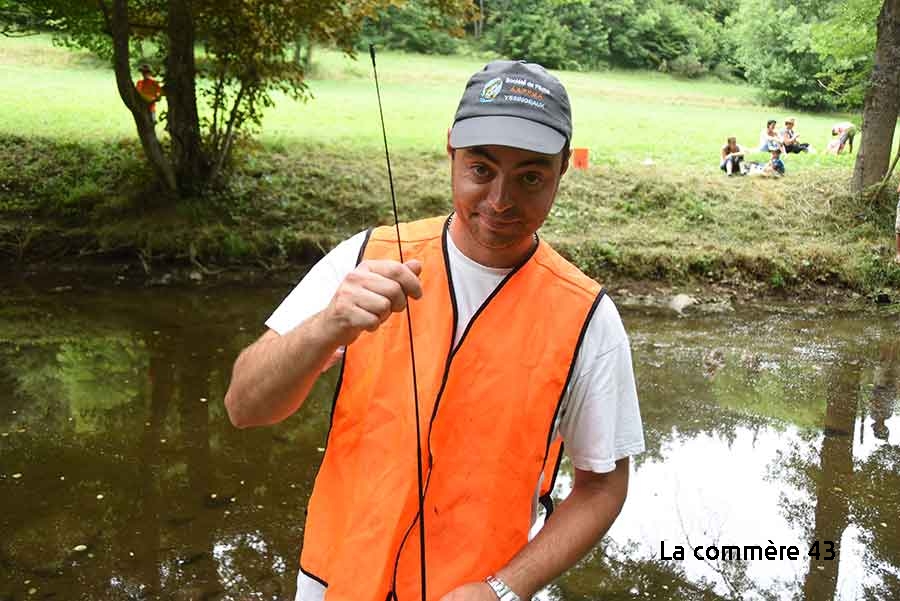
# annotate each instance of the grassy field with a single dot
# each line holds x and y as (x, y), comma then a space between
(624, 118)
(71, 170)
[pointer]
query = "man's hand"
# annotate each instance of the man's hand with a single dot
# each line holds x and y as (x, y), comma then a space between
(368, 296)
(472, 591)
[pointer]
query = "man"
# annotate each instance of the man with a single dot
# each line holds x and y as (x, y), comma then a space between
(149, 89)
(846, 132)
(515, 350)
(790, 139)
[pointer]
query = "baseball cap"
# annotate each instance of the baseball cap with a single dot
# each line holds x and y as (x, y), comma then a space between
(516, 104)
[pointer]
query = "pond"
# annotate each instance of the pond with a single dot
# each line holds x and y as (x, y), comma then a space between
(122, 478)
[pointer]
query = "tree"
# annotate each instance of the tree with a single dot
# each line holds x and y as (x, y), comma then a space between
(882, 102)
(775, 52)
(246, 57)
(846, 42)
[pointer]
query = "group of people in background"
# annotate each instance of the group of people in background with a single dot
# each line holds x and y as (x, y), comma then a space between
(778, 143)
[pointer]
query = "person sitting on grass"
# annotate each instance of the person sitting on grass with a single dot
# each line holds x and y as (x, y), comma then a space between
(845, 131)
(732, 156)
(775, 166)
(790, 139)
(768, 136)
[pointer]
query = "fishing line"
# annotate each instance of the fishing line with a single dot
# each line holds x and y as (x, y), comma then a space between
(412, 351)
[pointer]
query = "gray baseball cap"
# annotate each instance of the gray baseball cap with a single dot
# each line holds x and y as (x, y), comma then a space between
(513, 103)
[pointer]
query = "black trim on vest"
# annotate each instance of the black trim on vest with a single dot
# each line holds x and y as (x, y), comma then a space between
(444, 233)
(340, 379)
(362, 249)
(446, 375)
(584, 327)
(547, 500)
(337, 392)
(313, 576)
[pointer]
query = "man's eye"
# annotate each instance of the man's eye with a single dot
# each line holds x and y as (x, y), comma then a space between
(532, 179)
(480, 170)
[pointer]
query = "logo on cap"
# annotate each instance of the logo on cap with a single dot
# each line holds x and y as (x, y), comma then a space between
(491, 89)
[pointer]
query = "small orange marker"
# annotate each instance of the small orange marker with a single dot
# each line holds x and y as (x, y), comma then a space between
(580, 158)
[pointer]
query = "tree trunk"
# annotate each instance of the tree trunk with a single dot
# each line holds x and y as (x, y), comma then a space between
(152, 149)
(189, 161)
(882, 102)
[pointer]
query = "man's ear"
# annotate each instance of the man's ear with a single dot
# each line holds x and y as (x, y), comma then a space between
(449, 148)
(566, 154)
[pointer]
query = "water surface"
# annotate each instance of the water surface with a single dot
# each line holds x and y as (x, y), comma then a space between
(121, 477)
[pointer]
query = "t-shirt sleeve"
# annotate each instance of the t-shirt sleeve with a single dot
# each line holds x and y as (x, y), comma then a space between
(316, 289)
(600, 419)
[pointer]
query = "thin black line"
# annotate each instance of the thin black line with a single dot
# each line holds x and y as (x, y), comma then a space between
(340, 378)
(412, 351)
(444, 234)
(451, 355)
(565, 387)
(547, 499)
(462, 339)
(362, 249)
(548, 505)
(314, 577)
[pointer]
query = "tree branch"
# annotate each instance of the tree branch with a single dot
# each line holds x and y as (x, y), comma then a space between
(229, 132)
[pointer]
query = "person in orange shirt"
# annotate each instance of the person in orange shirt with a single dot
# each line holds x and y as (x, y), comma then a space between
(149, 89)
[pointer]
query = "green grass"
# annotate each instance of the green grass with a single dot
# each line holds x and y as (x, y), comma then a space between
(622, 117)
(75, 182)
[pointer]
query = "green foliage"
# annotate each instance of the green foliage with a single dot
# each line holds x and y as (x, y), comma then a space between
(247, 62)
(415, 26)
(531, 30)
(586, 34)
(775, 53)
(806, 55)
(847, 38)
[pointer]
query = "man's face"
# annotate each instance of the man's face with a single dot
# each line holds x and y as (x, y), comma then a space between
(501, 196)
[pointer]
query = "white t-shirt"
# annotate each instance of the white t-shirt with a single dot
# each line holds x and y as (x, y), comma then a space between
(599, 419)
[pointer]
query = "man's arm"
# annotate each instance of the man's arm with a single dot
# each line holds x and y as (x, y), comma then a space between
(272, 377)
(572, 530)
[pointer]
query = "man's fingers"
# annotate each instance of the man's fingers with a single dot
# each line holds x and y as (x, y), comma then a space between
(375, 303)
(387, 288)
(415, 266)
(405, 274)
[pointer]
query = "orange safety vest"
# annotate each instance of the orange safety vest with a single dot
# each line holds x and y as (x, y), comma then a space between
(487, 411)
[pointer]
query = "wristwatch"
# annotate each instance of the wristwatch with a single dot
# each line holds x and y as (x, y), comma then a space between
(500, 588)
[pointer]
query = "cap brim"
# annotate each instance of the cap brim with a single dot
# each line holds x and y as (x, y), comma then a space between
(500, 130)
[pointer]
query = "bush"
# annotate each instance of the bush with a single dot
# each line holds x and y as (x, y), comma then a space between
(414, 27)
(530, 30)
(775, 51)
(687, 66)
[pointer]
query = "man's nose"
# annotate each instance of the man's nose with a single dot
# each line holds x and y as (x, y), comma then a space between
(499, 195)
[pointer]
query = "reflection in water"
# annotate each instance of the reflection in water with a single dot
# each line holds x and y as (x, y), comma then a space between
(121, 478)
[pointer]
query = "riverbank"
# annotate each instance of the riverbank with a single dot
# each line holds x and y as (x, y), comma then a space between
(90, 203)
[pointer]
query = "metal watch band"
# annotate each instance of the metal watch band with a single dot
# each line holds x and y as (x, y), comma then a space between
(500, 588)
